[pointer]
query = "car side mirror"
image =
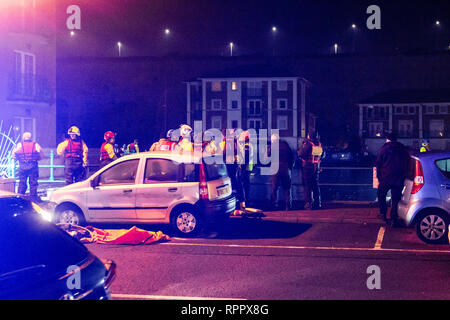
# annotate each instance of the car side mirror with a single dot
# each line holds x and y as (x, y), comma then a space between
(94, 183)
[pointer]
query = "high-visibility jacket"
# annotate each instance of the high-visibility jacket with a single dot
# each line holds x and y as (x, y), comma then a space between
(185, 145)
(107, 152)
(27, 151)
(73, 149)
(316, 153)
(425, 148)
(133, 148)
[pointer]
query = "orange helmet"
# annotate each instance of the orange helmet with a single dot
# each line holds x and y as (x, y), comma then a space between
(108, 135)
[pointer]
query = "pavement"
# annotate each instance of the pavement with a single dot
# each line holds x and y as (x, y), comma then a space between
(332, 212)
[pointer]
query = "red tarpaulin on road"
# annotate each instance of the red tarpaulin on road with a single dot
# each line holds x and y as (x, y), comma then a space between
(133, 235)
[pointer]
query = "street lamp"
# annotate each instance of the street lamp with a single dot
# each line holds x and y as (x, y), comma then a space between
(336, 48)
(274, 29)
(231, 48)
(354, 28)
(438, 22)
(167, 31)
(72, 33)
(119, 45)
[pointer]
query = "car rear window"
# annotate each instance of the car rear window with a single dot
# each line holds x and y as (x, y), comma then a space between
(215, 171)
(444, 167)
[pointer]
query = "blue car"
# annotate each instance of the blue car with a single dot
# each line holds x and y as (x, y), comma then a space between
(425, 202)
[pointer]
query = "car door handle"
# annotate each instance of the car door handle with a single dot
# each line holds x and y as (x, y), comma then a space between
(127, 191)
(172, 189)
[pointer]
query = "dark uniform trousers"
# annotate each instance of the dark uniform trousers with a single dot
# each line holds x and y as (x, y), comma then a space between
(74, 170)
(282, 179)
(28, 171)
(310, 175)
(396, 196)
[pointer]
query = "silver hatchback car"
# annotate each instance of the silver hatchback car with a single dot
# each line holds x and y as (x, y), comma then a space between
(425, 202)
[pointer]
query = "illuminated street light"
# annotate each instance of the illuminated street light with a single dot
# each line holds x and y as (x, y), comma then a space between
(72, 33)
(167, 31)
(353, 26)
(119, 45)
(336, 48)
(231, 48)
(438, 22)
(274, 29)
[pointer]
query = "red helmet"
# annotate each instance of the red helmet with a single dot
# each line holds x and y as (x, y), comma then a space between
(108, 135)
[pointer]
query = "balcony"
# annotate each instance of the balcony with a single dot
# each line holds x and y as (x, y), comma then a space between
(28, 87)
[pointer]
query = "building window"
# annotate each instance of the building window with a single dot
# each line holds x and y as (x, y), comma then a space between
(254, 124)
(436, 128)
(234, 86)
(234, 124)
(216, 122)
(282, 85)
(216, 86)
(282, 104)
(216, 104)
(443, 109)
(22, 125)
(375, 129)
(282, 122)
(234, 104)
(429, 109)
(398, 110)
(411, 109)
(254, 107)
(405, 128)
(254, 88)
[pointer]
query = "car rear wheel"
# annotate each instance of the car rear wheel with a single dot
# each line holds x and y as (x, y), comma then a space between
(186, 222)
(71, 215)
(432, 227)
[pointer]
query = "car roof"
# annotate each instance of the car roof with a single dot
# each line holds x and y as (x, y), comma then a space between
(432, 155)
(189, 156)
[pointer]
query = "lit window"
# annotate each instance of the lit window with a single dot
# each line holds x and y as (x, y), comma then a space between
(216, 86)
(234, 85)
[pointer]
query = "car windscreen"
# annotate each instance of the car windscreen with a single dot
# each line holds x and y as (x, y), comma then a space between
(214, 171)
(28, 242)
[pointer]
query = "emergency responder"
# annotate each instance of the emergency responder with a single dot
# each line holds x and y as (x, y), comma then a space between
(164, 143)
(133, 147)
(107, 150)
(425, 146)
(28, 153)
(244, 160)
(185, 143)
(283, 176)
(311, 153)
(75, 153)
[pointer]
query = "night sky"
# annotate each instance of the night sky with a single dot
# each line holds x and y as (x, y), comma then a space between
(206, 27)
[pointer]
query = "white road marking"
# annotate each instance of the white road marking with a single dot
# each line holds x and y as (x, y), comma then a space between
(303, 247)
(380, 238)
(157, 297)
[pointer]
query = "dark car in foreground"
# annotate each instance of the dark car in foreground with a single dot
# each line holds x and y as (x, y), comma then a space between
(39, 261)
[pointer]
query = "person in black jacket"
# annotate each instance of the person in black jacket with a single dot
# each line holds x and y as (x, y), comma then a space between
(392, 167)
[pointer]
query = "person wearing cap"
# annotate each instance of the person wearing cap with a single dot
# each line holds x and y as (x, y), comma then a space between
(425, 146)
(392, 168)
(28, 153)
(75, 153)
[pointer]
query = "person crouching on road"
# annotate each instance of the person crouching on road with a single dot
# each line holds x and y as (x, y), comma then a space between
(392, 168)
(107, 151)
(28, 153)
(75, 153)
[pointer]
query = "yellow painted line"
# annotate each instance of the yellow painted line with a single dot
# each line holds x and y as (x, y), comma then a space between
(303, 247)
(158, 297)
(380, 238)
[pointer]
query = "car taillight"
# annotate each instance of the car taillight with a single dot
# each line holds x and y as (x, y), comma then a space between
(203, 186)
(419, 181)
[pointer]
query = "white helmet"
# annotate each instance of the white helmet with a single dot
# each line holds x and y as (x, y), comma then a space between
(185, 130)
(26, 136)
